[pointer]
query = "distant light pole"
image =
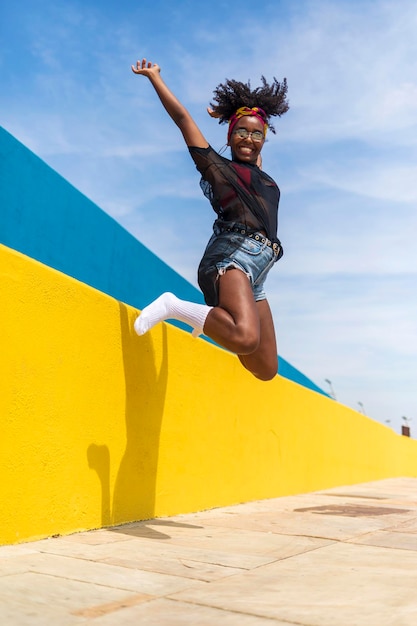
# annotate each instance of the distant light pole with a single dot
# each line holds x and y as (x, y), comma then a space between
(332, 393)
(362, 408)
(405, 430)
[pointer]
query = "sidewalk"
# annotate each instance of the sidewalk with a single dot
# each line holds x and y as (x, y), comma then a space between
(341, 557)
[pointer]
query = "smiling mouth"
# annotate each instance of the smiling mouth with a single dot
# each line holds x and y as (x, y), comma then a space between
(246, 150)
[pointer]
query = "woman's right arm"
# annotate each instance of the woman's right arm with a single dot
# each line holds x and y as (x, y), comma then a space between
(179, 114)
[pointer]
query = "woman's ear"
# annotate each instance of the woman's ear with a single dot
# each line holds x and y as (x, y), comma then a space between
(213, 113)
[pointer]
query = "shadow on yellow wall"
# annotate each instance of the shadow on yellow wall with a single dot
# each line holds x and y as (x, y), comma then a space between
(134, 488)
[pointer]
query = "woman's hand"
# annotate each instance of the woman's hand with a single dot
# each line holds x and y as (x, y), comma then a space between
(146, 68)
(174, 108)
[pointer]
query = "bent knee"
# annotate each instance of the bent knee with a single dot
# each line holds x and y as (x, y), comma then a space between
(267, 371)
(247, 343)
(265, 375)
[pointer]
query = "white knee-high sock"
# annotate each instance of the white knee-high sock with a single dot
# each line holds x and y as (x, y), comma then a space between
(168, 306)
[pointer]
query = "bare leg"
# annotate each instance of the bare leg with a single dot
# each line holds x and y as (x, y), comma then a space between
(263, 363)
(244, 326)
(238, 323)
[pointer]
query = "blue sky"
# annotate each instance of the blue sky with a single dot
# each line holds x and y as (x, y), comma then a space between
(344, 296)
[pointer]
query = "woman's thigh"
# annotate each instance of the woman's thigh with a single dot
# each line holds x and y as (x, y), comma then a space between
(234, 322)
(236, 297)
(263, 362)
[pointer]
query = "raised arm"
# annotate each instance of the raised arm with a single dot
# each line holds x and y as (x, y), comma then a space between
(179, 114)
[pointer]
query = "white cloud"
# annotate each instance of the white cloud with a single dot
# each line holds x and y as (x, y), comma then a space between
(388, 181)
(351, 72)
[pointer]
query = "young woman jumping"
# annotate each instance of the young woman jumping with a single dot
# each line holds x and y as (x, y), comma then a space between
(244, 245)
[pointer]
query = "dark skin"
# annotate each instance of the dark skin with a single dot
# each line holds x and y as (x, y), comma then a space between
(238, 323)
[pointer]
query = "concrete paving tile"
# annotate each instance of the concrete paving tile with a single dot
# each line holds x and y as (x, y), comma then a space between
(111, 576)
(224, 555)
(213, 559)
(13, 559)
(112, 607)
(12, 566)
(407, 526)
(304, 523)
(176, 567)
(15, 550)
(409, 504)
(384, 539)
(140, 554)
(228, 547)
(140, 549)
(286, 503)
(163, 529)
(90, 551)
(398, 502)
(351, 509)
(17, 613)
(76, 549)
(251, 542)
(292, 545)
(388, 489)
(163, 612)
(210, 537)
(94, 537)
(402, 491)
(38, 592)
(338, 585)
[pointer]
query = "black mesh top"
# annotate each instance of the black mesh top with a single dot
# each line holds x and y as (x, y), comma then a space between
(238, 192)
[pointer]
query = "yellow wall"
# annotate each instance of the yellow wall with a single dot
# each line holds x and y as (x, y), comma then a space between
(99, 426)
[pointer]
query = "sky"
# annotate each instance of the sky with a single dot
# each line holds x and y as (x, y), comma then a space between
(343, 297)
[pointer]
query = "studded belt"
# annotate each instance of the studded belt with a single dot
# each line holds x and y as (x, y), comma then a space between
(276, 247)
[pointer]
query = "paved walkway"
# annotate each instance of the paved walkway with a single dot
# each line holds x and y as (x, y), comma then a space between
(340, 557)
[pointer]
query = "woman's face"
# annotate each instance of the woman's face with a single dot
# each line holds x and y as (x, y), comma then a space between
(247, 149)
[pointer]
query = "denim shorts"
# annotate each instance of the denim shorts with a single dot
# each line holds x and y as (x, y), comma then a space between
(226, 250)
